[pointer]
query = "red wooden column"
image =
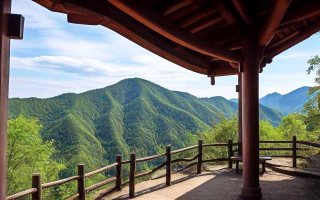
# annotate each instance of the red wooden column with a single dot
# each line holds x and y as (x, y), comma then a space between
(250, 118)
(5, 10)
(239, 114)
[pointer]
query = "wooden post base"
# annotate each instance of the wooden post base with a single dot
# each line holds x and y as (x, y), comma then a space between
(251, 193)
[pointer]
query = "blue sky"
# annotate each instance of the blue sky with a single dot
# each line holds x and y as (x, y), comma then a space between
(56, 57)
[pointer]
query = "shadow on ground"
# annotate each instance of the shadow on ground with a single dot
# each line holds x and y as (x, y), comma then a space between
(225, 184)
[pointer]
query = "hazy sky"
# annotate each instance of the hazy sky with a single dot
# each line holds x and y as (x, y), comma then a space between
(56, 57)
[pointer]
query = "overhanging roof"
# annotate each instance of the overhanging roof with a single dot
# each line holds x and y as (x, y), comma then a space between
(204, 36)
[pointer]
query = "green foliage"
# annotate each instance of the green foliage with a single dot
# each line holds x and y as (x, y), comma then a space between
(315, 66)
(132, 115)
(28, 153)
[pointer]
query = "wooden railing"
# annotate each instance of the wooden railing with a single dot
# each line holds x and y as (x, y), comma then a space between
(293, 148)
(37, 186)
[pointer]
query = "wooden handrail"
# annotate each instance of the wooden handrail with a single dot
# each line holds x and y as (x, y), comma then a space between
(97, 185)
(215, 160)
(125, 162)
(186, 167)
(58, 182)
(275, 141)
(73, 197)
(36, 190)
(22, 194)
(275, 149)
(151, 171)
(100, 170)
(313, 144)
(186, 159)
(215, 145)
(150, 157)
(184, 149)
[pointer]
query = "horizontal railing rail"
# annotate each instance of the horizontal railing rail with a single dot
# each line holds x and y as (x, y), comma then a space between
(37, 187)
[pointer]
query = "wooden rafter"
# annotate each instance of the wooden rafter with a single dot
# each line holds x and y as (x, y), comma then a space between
(179, 14)
(267, 32)
(283, 40)
(201, 14)
(138, 33)
(301, 12)
(302, 35)
(152, 19)
(242, 9)
(206, 23)
(227, 13)
(175, 5)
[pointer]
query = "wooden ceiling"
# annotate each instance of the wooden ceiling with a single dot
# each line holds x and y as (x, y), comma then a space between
(204, 36)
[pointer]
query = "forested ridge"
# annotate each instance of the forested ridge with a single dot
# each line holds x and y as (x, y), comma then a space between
(131, 115)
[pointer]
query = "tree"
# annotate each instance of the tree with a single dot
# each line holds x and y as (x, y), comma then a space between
(27, 153)
(293, 125)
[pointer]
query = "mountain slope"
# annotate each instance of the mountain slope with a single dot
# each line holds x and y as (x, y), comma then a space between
(288, 103)
(265, 113)
(131, 115)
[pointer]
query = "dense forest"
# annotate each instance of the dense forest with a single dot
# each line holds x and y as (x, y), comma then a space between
(132, 115)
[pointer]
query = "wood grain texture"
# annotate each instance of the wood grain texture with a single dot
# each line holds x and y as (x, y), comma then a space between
(149, 17)
(5, 10)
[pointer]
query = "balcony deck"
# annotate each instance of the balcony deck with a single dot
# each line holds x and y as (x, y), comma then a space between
(224, 184)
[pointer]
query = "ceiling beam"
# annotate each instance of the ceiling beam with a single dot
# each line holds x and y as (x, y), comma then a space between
(227, 70)
(302, 35)
(199, 15)
(179, 14)
(241, 7)
(227, 13)
(128, 27)
(301, 12)
(268, 30)
(152, 19)
(206, 23)
(175, 5)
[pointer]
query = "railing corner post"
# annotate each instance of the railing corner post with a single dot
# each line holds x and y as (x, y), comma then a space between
(36, 183)
(294, 151)
(118, 172)
(168, 165)
(81, 182)
(199, 157)
(230, 152)
(132, 174)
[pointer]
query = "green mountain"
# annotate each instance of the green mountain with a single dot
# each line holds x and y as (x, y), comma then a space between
(266, 113)
(287, 103)
(131, 115)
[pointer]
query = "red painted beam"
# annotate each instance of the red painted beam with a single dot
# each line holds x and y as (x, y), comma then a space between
(152, 19)
(301, 12)
(267, 32)
(241, 7)
(302, 35)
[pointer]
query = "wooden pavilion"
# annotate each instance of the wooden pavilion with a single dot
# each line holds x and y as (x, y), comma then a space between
(210, 37)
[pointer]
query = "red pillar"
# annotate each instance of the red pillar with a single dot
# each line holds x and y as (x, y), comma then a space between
(250, 119)
(240, 114)
(5, 10)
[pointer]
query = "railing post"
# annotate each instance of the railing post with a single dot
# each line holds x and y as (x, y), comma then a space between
(168, 165)
(81, 182)
(200, 157)
(118, 172)
(132, 174)
(294, 151)
(36, 183)
(230, 152)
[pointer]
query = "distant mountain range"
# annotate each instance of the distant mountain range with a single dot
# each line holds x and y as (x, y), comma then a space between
(288, 103)
(131, 115)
